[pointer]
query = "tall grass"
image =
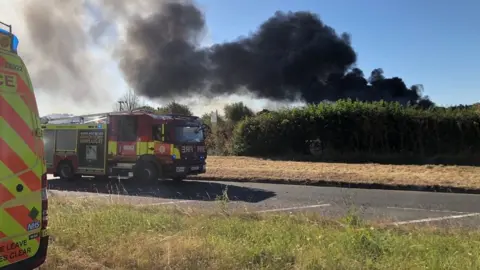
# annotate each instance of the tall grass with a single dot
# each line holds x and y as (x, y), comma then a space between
(94, 235)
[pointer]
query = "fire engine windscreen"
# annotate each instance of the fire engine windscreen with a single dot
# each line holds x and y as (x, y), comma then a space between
(188, 134)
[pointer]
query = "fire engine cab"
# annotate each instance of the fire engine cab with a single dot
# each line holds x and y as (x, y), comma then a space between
(135, 144)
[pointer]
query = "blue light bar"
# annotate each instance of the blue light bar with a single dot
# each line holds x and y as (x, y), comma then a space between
(14, 42)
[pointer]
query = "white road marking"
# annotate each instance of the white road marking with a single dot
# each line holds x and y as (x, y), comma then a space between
(79, 194)
(293, 208)
(97, 195)
(435, 219)
(126, 198)
(428, 210)
(165, 203)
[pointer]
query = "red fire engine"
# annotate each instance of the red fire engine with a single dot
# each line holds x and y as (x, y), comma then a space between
(135, 144)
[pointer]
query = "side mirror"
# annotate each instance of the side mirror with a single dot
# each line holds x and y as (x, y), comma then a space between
(206, 130)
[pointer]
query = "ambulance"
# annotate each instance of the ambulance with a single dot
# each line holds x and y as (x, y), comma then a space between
(23, 179)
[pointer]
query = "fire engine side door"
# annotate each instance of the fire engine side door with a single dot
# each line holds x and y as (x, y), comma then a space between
(127, 126)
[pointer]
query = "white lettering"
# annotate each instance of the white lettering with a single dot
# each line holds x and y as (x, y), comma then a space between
(129, 147)
(187, 149)
(34, 225)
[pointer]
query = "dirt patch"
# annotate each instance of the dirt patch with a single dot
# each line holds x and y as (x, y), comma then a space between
(247, 168)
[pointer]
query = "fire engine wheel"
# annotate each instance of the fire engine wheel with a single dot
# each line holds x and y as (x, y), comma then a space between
(65, 171)
(146, 172)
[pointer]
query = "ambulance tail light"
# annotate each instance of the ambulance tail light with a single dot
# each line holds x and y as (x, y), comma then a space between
(44, 201)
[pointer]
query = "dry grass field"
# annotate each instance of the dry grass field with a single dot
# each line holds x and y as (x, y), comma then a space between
(94, 234)
(254, 169)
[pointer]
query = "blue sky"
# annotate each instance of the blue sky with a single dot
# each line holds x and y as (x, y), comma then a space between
(435, 43)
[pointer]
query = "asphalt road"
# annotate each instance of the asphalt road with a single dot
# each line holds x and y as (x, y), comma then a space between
(391, 207)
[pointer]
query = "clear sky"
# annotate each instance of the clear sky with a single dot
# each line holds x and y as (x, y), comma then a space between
(435, 43)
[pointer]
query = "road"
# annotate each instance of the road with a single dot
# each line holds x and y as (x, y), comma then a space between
(391, 207)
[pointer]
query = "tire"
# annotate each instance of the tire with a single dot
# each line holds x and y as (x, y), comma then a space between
(146, 172)
(65, 171)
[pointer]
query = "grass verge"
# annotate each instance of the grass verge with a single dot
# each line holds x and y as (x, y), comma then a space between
(89, 234)
(427, 177)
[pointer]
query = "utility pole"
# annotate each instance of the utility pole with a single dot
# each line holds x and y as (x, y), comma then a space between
(214, 118)
(121, 102)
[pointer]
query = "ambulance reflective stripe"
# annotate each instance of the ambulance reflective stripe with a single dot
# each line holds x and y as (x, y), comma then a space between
(20, 215)
(23, 89)
(19, 151)
(16, 122)
(20, 164)
(12, 158)
(5, 194)
(12, 183)
(23, 101)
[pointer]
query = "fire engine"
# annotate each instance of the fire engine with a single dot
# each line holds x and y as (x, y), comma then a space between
(135, 144)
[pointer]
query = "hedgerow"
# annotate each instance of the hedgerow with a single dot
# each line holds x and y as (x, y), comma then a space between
(359, 127)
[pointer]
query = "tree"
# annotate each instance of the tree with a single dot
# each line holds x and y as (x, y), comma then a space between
(147, 108)
(235, 112)
(175, 108)
(264, 111)
(128, 102)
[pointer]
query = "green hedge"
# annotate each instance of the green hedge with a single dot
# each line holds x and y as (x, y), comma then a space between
(358, 127)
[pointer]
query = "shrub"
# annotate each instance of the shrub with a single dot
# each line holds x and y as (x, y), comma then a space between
(219, 141)
(236, 112)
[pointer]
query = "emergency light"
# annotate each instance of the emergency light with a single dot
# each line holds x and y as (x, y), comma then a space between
(14, 44)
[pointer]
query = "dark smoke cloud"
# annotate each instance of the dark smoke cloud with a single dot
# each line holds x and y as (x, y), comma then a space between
(282, 58)
(354, 85)
(290, 56)
(162, 58)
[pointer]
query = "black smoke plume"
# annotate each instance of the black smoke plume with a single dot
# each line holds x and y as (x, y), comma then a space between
(284, 58)
(291, 56)
(163, 58)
